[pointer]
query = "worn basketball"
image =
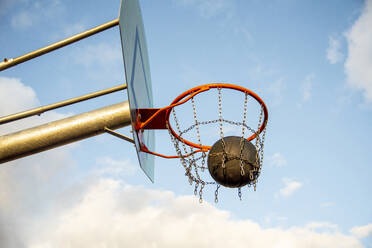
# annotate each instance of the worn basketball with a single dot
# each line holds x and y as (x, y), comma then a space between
(230, 175)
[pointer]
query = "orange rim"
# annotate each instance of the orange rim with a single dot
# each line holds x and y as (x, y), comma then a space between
(187, 95)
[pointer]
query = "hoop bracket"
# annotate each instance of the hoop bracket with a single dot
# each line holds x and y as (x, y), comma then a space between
(157, 122)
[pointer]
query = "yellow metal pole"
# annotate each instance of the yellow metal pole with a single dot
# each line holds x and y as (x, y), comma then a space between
(7, 63)
(40, 110)
(65, 131)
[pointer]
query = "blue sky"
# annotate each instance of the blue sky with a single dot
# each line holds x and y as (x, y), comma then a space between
(311, 62)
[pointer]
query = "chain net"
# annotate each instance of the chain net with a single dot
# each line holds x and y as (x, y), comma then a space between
(196, 169)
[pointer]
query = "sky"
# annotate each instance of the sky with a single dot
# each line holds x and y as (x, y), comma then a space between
(310, 61)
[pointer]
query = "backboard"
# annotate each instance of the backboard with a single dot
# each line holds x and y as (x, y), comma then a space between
(138, 79)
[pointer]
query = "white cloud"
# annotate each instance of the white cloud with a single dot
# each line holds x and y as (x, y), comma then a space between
(16, 97)
(359, 60)
(40, 207)
(112, 214)
(362, 231)
(101, 61)
(28, 187)
(322, 225)
(35, 12)
(334, 55)
(102, 54)
(26, 184)
(290, 186)
(112, 167)
(278, 160)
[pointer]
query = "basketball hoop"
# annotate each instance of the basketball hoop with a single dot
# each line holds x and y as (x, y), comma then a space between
(232, 161)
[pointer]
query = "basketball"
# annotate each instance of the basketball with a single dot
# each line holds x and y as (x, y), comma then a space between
(230, 174)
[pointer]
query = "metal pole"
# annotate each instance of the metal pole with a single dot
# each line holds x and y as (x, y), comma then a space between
(40, 110)
(7, 63)
(65, 131)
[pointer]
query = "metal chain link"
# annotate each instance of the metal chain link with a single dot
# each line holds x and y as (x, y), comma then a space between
(258, 163)
(201, 193)
(186, 165)
(216, 193)
(221, 126)
(196, 120)
(196, 188)
(183, 145)
(197, 131)
(257, 135)
(242, 172)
